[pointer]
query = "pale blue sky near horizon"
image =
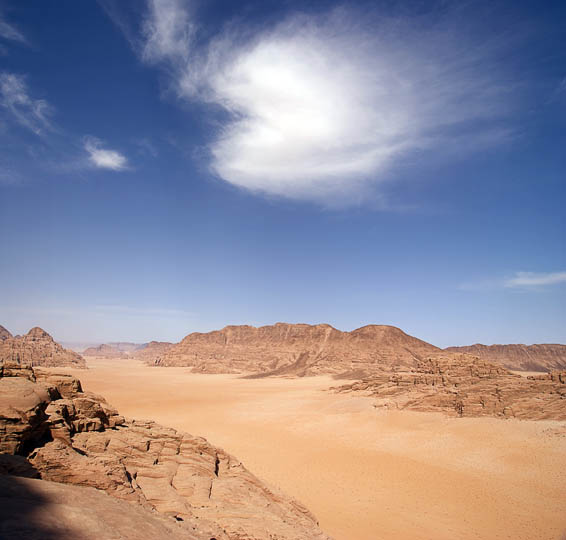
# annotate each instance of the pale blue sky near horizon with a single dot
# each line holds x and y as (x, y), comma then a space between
(171, 166)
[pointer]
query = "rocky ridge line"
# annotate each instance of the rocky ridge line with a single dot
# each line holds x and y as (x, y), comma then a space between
(297, 350)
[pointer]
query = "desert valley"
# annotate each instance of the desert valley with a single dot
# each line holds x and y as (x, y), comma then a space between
(362, 435)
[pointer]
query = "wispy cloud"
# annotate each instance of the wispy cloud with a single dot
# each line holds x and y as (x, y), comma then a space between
(168, 31)
(104, 158)
(10, 32)
(33, 114)
(320, 107)
(535, 279)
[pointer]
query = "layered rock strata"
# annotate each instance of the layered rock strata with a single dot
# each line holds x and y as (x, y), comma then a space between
(74, 437)
(462, 385)
(37, 348)
(298, 350)
(544, 357)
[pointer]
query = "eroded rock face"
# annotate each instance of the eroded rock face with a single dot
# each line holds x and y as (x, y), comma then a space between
(37, 348)
(4, 334)
(75, 437)
(462, 385)
(544, 357)
(297, 350)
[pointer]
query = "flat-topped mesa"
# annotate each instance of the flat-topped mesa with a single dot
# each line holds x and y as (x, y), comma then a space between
(37, 348)
(464, 385)
(543, 357)
(297, 350)
(51, 429)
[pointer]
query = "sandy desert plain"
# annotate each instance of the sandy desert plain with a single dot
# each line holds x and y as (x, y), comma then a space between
(366, 473)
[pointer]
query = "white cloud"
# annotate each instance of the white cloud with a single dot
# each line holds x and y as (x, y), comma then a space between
(535, 279)
(33, 114)
(167, 30)
(320, 107)
(7, 31)
(103, 157)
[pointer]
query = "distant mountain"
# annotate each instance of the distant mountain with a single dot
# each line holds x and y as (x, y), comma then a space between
(152, 352)
(37, 348)
(544, 357)
(148, 352)
(298, 350)
(4, 334)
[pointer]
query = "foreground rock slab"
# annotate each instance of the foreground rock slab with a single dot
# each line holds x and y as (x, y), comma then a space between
(74, 437)
(40, 510)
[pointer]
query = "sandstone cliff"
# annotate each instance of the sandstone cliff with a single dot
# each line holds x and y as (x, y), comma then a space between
(52, 429)
(297, 350)
(462, 385)
(545, 357)
(37, 348)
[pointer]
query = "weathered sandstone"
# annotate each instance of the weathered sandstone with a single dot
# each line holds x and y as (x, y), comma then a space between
(37, 348)
(544, 357)
(462, 385)
(297, 350)
(75, 437)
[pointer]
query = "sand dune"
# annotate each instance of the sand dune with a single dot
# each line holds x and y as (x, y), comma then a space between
(367, 474)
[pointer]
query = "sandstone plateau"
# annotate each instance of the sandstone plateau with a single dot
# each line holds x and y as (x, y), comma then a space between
(462, 385)
(52, 430)
(545, 357)
(298, 350)
(37, 348)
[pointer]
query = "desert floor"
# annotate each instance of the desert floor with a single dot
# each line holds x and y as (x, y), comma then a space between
(367, 474)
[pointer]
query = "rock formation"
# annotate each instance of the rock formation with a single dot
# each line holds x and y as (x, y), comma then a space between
(37, 348)
(152, 352)
(148, 352)
(545, 357)
(4, 334)
(463, 385)
(51, 428)
(105, 351)
(297, 350)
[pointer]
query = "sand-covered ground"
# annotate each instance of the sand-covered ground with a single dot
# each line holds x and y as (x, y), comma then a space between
(367, 474)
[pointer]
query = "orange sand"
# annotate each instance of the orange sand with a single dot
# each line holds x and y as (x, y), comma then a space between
(366, 474)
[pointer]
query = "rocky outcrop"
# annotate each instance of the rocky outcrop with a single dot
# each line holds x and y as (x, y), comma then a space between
(74, 437)
(462, 385)
(4, 334)
(297, 350)
(545, 357)
(37, 348)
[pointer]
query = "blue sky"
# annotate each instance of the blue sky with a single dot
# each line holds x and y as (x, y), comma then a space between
(173, 166)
